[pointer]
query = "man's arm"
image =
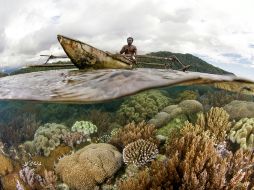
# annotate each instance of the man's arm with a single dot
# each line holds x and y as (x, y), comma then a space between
(135, 51)
(122, 50)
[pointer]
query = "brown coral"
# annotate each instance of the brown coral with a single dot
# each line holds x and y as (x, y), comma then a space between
(194, 163)
(5, 165)
(131, 132)
(140, 152)
(89, 166)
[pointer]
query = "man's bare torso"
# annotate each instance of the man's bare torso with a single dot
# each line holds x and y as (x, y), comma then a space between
(129, 50)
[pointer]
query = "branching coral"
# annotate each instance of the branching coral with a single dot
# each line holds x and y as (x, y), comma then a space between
(194, 163)
(140, 152)
(142, 106)
(132, 132)
(215, 123)
(243, 133)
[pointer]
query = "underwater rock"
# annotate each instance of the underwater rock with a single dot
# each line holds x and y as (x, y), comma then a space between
(85, 127)
(90, 166)
(243, 133)
(240, 109)
(187, 107)
(5, 165)
(140, 152)
(48, 137)
(142, 106)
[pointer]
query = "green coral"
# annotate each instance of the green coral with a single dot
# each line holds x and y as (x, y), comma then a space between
(85, 127)
(243, 133)
(177, 122)
(187, 95)
(48, 137)
(142, 106)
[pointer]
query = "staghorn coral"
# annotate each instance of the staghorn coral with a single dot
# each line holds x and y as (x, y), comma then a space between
(85, 127)
(243, 133)
(194, 163)
(131, 132)
(99, 161)
(140, 152)
(215, 123)
(142, 106)
(48, 137)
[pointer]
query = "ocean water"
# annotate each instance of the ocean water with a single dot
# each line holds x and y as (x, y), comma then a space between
(180, 137)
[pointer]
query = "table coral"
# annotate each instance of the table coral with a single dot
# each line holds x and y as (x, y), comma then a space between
(90, 166)
(243, 133)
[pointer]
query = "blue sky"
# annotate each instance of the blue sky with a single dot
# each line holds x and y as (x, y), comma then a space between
(219, 31)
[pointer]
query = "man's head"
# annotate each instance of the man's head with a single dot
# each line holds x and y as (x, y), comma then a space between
(129, 40)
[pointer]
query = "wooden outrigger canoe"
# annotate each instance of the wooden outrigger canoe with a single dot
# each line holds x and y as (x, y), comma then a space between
(85, 56)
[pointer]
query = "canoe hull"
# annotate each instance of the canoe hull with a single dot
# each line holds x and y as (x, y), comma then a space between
(85, 56)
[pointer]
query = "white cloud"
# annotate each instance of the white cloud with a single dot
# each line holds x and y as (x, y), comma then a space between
(211, 29)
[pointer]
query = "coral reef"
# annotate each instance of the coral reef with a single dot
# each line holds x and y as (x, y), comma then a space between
(240, 109)
(131, 132)
(243, 133)
(142, 106)
(85, 127)
(48, 137)
(99, 161)
(186, 107)
(194, 163)
(5, 165)
(215, 123)
(140, 152)
(187, 95)
(74, 138)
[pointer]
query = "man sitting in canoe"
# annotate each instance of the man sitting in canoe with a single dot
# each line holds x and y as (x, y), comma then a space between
(129, 50)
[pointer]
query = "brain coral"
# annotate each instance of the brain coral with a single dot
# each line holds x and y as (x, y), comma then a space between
(142, 106)
(5, 165)
(48, 137)
(89, 166)
(243, 133)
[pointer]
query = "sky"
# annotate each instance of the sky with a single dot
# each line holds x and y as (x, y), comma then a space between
(219, 31)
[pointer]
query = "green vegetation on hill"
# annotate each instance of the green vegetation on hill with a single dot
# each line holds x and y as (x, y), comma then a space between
(3, 74)
(197, 64)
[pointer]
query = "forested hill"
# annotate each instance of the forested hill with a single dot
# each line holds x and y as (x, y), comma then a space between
(196, 63)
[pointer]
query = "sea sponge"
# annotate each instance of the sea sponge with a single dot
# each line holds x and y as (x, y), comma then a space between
(89, 166)
(5, 165)
(142, 106)
(243, 133)
(85, 127)
(140, 152)
(48, 137)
